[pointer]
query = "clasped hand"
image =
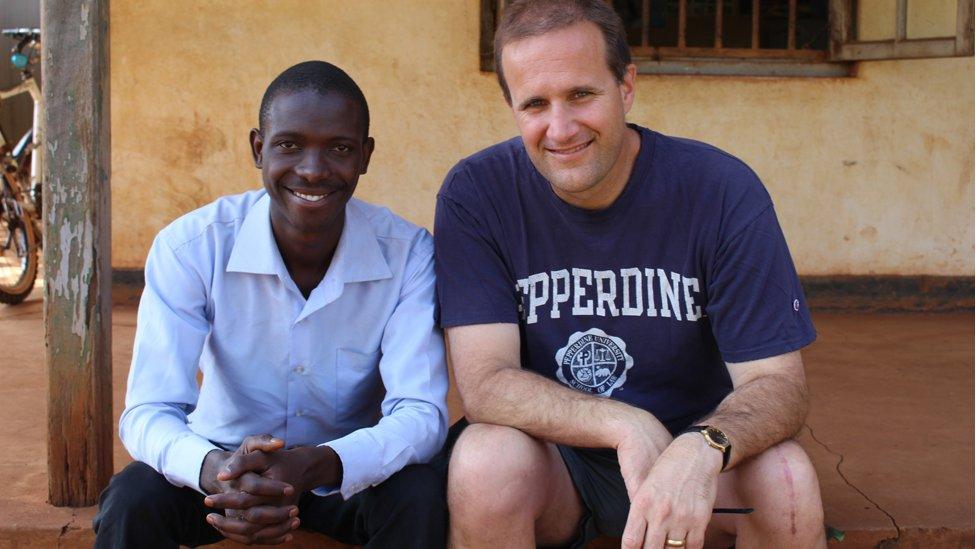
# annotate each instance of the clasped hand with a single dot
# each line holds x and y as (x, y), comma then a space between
(258, 486)
(671, 491)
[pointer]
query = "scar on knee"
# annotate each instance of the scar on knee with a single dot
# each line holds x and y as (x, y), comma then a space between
(788, 480)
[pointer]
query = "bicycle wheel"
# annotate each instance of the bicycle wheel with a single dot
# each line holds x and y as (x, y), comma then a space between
(18, 251)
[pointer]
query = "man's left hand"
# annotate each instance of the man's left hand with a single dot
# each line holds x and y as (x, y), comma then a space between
(304, 468)
(675, 501)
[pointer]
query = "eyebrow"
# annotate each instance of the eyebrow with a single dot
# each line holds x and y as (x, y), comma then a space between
(289, 134)
(588, 89)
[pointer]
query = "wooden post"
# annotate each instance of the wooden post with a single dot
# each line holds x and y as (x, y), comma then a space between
(77, 266)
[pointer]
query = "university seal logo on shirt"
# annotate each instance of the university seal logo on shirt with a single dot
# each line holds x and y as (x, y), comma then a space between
(593, 362)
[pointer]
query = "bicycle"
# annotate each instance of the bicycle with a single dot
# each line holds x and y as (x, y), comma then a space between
(20, 192)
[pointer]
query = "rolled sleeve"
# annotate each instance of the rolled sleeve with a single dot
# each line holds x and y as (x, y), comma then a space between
(414, 372)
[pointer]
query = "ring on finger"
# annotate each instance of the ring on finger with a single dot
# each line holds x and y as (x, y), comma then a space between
(674, 542)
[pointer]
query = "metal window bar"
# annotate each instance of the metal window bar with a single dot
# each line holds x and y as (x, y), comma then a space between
(791, 33)
(682, 23)
(718, 24)
(755, 24)
(645, 23)
(719, 50)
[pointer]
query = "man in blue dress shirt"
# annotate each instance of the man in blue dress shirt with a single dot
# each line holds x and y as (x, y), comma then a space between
(311, 317)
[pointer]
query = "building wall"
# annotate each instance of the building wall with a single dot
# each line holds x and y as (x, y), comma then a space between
(870, 175)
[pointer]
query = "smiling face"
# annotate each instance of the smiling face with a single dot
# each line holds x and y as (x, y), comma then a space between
(570, 110)
(311, 153)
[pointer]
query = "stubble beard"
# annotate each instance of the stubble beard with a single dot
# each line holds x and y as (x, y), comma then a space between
(579, 179)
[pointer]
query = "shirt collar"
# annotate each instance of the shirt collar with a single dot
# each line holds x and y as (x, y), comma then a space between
(358, 257)
(255, 250)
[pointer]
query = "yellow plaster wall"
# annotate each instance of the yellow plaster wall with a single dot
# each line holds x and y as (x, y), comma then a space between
(871, 174)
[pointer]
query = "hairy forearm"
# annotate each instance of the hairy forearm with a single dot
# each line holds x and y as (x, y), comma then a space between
(761, 413)
(548, 411)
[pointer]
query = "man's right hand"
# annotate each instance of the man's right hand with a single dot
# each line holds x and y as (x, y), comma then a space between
(263, 510)
(641, 440)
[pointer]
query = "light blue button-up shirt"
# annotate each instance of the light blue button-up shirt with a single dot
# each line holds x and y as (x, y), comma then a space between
(358, 366)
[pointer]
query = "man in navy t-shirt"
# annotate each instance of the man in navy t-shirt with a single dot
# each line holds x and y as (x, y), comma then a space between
(623, 315)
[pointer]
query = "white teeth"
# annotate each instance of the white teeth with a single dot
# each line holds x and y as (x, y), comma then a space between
(310, 197)
(571, 151)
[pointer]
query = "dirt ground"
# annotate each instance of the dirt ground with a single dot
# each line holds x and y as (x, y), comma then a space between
(890, 429)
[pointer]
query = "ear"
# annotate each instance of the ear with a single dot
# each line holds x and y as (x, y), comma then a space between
(628, 87)
(257, 145)
(368, 146)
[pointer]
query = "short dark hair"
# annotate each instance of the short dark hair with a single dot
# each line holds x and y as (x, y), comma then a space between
(527, 18)
(319, 76)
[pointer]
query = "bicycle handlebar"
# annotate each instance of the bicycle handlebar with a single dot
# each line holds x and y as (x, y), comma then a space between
(22, 34)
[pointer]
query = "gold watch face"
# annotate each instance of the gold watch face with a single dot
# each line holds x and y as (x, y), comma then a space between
(716, 437)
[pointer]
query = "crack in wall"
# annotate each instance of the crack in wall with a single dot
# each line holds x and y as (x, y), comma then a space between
(66, 527)
(840, 459)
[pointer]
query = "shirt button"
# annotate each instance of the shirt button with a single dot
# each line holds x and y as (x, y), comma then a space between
(299, 369)
(298, 413)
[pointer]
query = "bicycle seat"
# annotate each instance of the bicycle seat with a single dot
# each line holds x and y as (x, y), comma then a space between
(22, 33)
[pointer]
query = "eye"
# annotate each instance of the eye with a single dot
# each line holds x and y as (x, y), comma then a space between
(287, 145)
(341, 149)
(533, 104)
(580, 94)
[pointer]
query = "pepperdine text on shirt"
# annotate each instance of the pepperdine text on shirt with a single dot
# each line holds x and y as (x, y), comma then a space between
(595, 292)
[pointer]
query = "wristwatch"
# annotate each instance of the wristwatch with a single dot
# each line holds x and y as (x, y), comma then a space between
(715, 438)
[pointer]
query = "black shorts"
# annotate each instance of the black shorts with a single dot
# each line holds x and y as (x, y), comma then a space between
(595, 473)
(596, 476)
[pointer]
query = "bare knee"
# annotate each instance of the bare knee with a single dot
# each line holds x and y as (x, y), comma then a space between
(795, 469)
(494, 471)
(781, 484)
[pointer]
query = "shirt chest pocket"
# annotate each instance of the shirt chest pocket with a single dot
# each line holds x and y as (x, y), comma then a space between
(359, 388)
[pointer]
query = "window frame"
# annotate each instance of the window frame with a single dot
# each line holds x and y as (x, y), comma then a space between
(844, 45)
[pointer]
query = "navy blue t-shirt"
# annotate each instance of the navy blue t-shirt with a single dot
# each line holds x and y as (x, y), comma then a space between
(643, 301)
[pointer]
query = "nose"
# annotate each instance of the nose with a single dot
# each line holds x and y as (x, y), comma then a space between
(313, 167)
(563, 126)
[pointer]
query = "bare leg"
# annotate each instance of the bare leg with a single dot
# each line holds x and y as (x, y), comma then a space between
(781, 485)
(507, 489)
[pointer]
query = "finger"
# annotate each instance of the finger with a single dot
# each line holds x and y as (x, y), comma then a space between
(238, 464)
(232, 525)
(270, 514)
(656, 528)
(696, 538)
(249, 540)
(234, 500)
(263, 486)
(674, 538)
(264, 443)
(275, 531)
(698, 524)
(633, 536)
